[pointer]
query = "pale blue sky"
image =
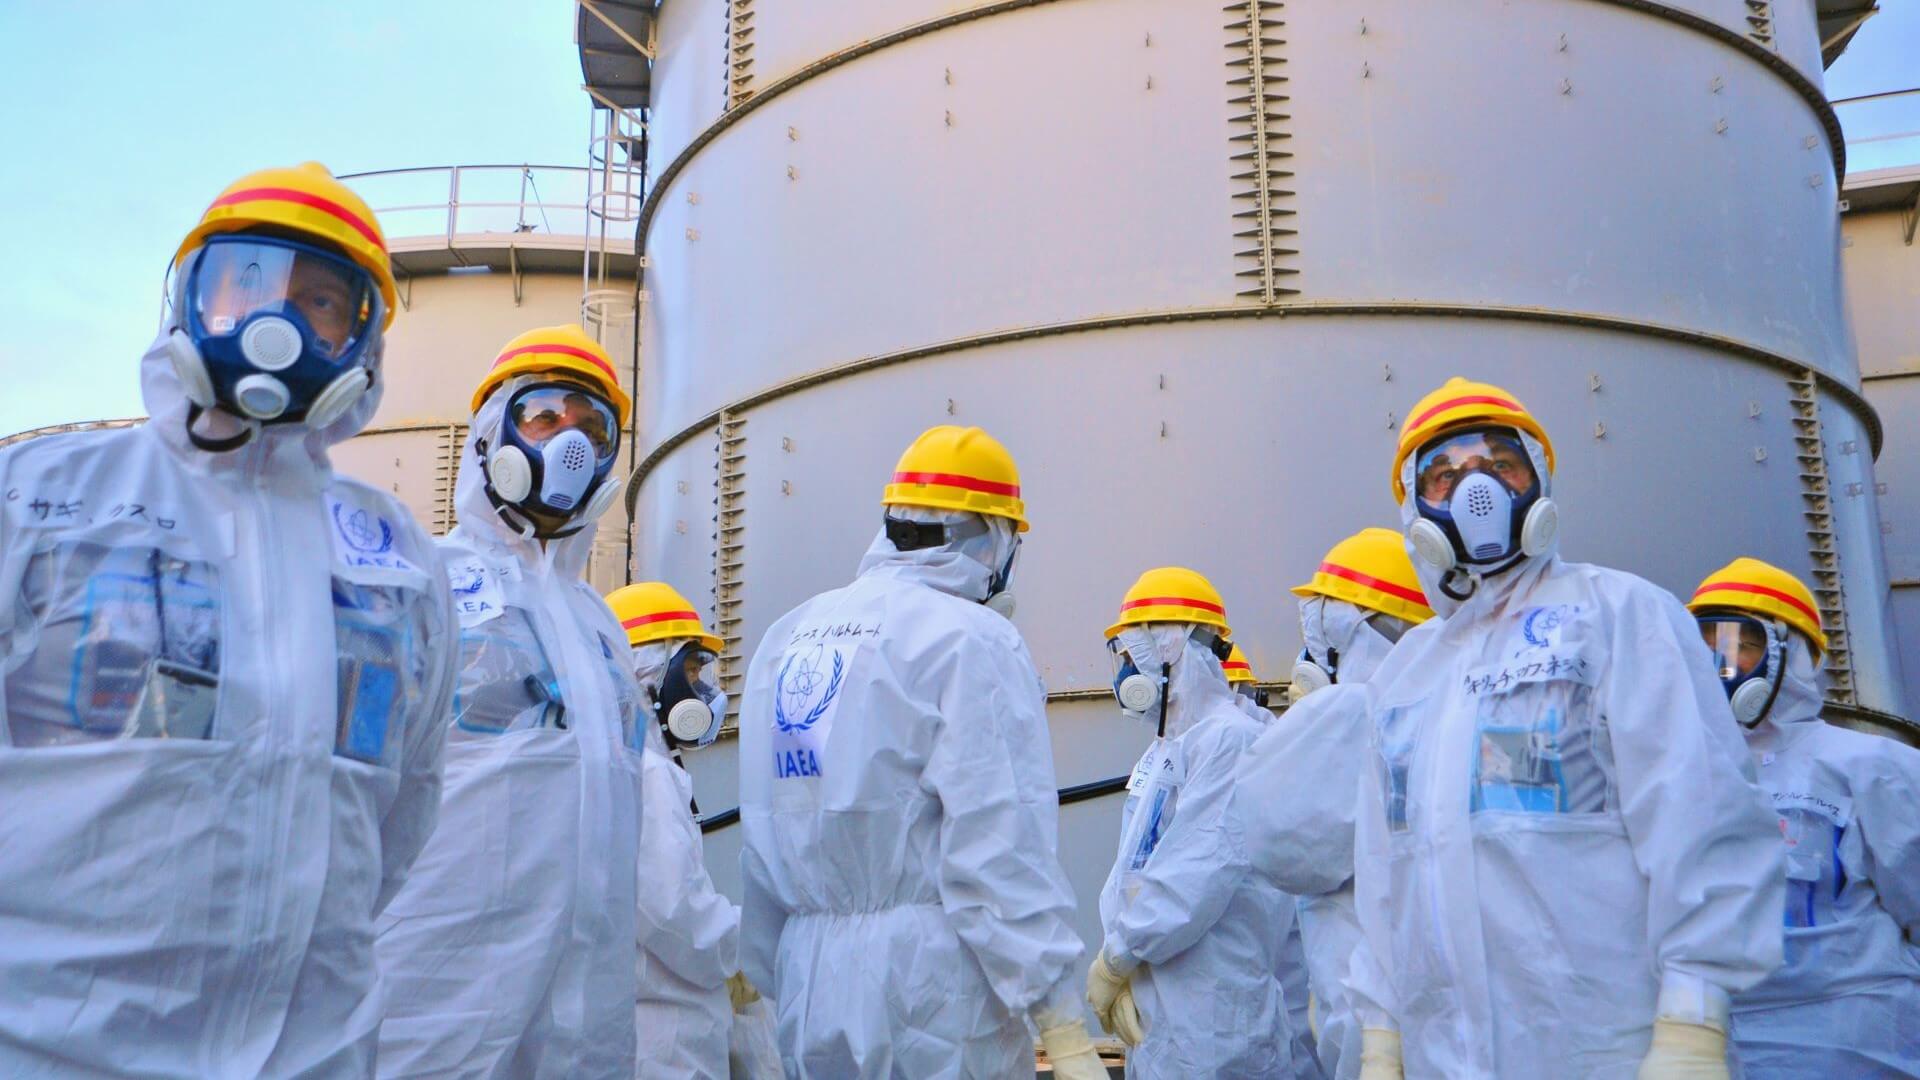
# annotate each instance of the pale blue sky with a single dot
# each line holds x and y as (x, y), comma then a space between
(120, 119)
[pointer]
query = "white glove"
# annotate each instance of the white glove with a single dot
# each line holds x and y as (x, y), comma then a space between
(1683, 1051)
(1380, 1054)
(1068, 1048)
(1103, 985)
(1126, 1018)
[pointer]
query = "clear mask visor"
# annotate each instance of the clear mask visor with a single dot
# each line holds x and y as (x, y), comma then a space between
(543, 412)
(1498, 452)
(237, 277)
(1739, 645)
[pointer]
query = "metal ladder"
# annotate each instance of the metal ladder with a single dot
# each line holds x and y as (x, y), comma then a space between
(1817, 494)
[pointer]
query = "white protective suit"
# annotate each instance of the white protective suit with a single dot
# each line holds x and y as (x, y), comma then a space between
(1559, 837)
(1294, 980)
(1847, 1001)
(904, 901)
(512, 950)
(689, 934)
(203, 904)
(1299, 828)
(1183, 914)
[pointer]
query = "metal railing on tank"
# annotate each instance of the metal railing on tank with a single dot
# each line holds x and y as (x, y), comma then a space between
(459, 203)
(1882, 129)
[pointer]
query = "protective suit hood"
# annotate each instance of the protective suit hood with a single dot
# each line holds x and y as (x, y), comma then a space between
(476, 513)
(167, 408)
(963, 568)
(1799, 700)
(1345, 628)
(1197, 682)
(650, 663)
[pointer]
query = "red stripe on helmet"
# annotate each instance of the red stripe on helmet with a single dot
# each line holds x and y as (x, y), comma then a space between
(1174, 601)
(564, 350)
(294, 195)
(1788, 599)
(1454, 403)
(663, 616)
(968, 483)
(1237, 665)
(1400, 592)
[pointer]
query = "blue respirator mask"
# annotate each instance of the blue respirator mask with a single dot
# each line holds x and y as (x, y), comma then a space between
(688, 706)
(1481, 502)
(549, 462)
(273, 330)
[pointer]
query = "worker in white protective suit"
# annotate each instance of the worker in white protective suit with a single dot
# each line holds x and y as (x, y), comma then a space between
(1188, 971)
(1300, 781)
(1251, 697)
(689, 934)
(224, 668)
(512, 951)
(904, 901)
(1847, 1000)
(1562, 864)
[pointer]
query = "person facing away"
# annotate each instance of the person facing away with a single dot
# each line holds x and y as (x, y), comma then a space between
(226, 668)
(513, 949)
(903, 896)
(1847, 1000)
(1188, 974)
(1562, 864)
(1299, 783)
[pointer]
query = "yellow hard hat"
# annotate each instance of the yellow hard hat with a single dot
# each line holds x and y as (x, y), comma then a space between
(1172, 594)
(1459, 404)
(958, 468)
(655, 611)
(563, 349)
(1371, 569)
(1237, 668)
(307, 200)
(1758, 588)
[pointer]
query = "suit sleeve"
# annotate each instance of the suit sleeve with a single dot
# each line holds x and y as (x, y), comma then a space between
(1295, 792)
(1195, 869)
(1702, 831)
(991, 766)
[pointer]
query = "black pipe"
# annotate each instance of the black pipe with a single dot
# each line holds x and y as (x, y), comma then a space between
(1068, 796)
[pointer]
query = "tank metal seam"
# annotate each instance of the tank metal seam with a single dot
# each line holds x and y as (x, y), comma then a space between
(787, 82)
(1816, 100)
(1847, 395)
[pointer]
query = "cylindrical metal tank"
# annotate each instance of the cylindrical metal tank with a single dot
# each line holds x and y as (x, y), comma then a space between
(1882, 255)
(1192, 265)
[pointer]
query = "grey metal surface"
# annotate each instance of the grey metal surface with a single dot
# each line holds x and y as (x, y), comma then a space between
(943, 191)
(1882, 258)
(1040, 216)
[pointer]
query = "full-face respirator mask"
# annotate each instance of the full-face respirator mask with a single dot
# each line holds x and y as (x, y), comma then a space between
(273, 331)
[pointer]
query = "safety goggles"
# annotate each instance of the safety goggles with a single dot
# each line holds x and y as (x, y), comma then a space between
(541, 412)
(1497, 452)
(240, 275)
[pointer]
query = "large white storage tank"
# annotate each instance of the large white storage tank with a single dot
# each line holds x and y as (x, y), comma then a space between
(1882, 255)
(1192, 265)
